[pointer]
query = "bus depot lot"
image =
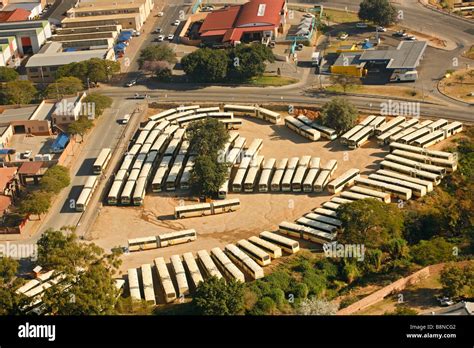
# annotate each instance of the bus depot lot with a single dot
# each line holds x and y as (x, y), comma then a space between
(258, 211)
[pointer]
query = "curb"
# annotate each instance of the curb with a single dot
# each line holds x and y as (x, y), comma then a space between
(363, 95)
(452, 98)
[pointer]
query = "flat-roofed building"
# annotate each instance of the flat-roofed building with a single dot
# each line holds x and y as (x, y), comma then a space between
(69, 110)
(42, 67)
(29, 35)
(33, 120)
(8, 50)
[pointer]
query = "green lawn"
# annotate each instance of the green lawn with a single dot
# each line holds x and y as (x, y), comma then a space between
(275, 81)
(340, 16)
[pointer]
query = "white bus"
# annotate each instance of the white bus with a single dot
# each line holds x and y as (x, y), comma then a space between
(162, 115)
(226, 266)
(452, 128)
(162, 126)
(325, 219)
(165, 280)
(221, 115)
(340, 200)
(396, 137)
(207, 265)
(152, 136)
(184, 183)
(178, 116)
(273, 250)
(303, 165)
(322, 180)
(102, 161)
(223, 190)
(254, 148)
(177, 237)
(450, 165)
(139, 160)
(180, 274)
(114, 193)
(307, 233)
(231, 123)
(251, 177)
(244, 261)
(150, 125)
(179, 134)
(331, 205)
(143, 243)
(431, 153)
(172, 180)
(397, 191)
(268, 115)
(160, 174)
(326, 212)
(430, 139)
(289, 245)
(427, 184)
(357, 196)
(191, 118)
(121, 175)
(193, 269)
(417, 189)
(278, 175)
(148, 289)
(126, 195)
(240, 175)
(127, 162)
(133, 284)
(241, 110)
(240, 143)
(159, 145)
(267, 171)
(326, 132)
(394, 122)
(312, 174)
(139, 191)
(439, 124)
(368, 120)
(225, 206)
(87, 192)
(407, 139)
(369, 192)
(289, 174)
(384, 138)
(193, 210)
(377, 122)
(170, 130)
(134, 150)
(360, 138)
(141, 137)
(207, 109)
(302, 129)
(259, 255)
(350, 133)
(173, 147)
(331, 165)
(346, 179)
(183, 108)
(318, 225)
(416, 165)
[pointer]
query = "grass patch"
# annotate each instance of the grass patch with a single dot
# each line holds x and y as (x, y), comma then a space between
(339, 16)
(275, 81)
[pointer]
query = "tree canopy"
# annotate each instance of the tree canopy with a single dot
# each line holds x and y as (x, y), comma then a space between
(157, 53)
(458, 281)
(339, 114)
(67, 85)
(36, 203)
(55, 179)
(206, 65)
(100, 102)
(436, 250)
(94, 70)
(380, 12)
(80, 126)
(19, 92)
(218, 297)
(7, 74)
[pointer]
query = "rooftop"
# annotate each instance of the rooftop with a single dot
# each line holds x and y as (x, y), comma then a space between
(407, 55)
(23, 5)
(99, 18)
(19, 114)
(6, 175)
(30, 168)
(348, 58)
(5, 202)
(16, 15)
(461, 308)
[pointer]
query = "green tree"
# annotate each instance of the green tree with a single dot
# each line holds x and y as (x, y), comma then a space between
(100, 102)
(36, 203)
(218, 297)
(11, 303)
(402, 310)
(19, 92)
(7, 74)
(156, 53)
(246, 62)
(345, 81)
(339, 114)
(458, 281)
(370, 222)
(92, 70)
(208, 136)
(436, 250)
(206, 65)
(55, 179)
(264, 306)
(80, 126)
(63, 86)
(208, 175)
(380, 12)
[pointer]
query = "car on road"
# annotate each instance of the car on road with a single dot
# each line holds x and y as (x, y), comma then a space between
(176, 22)
(124, 119)
(445, 301)
(382, 29)
(171, 37)
(26, 154)
(160, 14)
(343, 36)
(160, 38)
(410, 38)
(208, 8)
(400, 33)
(158, 30)
(131, 83)
(140, 96)
(361, 25)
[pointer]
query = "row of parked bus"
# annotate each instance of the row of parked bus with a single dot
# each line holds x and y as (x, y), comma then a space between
(358, 135)
(309, 129)
(205, 209)
(162, 240)
(241, 261)
(297, 174)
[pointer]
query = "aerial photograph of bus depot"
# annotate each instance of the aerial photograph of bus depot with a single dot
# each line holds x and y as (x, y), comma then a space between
(236, 157)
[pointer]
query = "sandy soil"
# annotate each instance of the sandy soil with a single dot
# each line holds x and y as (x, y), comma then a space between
(258, 212)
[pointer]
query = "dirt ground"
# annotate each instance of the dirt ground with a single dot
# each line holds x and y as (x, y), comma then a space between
(258, 211)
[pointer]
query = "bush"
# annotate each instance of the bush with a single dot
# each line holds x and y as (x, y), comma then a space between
(55, 179)
(264, 306)
(300, 290)
(100, 102)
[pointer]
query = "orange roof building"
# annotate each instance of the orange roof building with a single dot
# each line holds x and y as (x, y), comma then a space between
(16, 15)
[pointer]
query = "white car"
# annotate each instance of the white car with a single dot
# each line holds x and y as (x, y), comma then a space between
(161, 38)
(410, 38)
(161, 14)
(26, 154)
(308, 15)
(176, 22)
(361, 25)
(171, 37)
(382, 29)
(343, 36)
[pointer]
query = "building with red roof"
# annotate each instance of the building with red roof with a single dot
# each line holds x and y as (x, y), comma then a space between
(16, 15)
(254, 20)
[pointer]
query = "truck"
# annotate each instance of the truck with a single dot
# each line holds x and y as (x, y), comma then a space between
(398, 76)
(316, 59)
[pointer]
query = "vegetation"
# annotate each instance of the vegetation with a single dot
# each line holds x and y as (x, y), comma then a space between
(36, 203)
(218, 297)
(80, 127)
(7, 74)
(208, 137)
(55, 179)
(339, 114)
(458, 282)
(67, 85)
(380, 12)
(402, 310)
(19, 92)
(100, 102)
(93, 70)
(10, 302)
(156, 53)
(316, 307)
(239, 64)
(345, 81)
